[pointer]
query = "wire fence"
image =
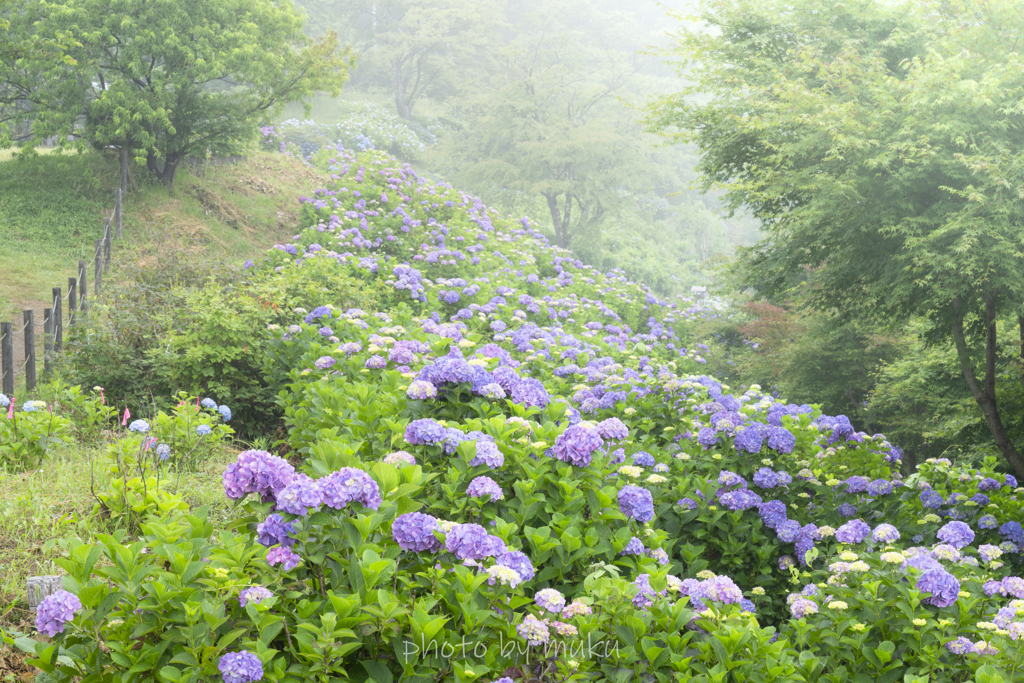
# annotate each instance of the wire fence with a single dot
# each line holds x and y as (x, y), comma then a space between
(55, 319)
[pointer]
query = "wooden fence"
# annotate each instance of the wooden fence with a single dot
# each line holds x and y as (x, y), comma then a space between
(55, 319)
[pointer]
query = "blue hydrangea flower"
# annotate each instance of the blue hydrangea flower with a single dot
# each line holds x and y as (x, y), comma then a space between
(637, 503)
(55, 611)
(225, 413)
(140, 426)
(203, 430)
(240, 667)
(415, 531)
(209, 403)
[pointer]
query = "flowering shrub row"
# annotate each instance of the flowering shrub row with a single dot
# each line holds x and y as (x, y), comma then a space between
(515, 471)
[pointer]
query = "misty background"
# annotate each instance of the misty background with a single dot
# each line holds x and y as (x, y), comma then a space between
(535, 106)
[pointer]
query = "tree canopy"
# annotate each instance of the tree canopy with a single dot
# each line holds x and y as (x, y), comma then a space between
(878, 143)
(166, 80)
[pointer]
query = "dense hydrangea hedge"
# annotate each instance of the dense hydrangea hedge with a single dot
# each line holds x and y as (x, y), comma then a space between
(516, 471)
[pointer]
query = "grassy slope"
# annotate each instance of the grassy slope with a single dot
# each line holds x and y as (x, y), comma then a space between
(52, 209)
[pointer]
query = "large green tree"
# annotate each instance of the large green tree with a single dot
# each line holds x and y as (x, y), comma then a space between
(165, 80)
(879, 144)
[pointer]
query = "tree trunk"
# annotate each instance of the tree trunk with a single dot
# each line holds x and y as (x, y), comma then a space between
(165, 173)
(400, 104)
(559, 220)
(985, 396)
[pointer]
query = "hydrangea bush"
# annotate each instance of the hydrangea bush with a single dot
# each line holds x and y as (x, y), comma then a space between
(516, 470)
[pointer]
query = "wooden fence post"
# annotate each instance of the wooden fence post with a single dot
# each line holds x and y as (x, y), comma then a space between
(97, 271)
(7, 357)
(118, 210)
(47, 343)
(72, 300)
(83, 287)
(30, 349)
(40, 587)
(58, 318)
(106, 254)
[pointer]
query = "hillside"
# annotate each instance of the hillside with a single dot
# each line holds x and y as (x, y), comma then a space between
(236, 211)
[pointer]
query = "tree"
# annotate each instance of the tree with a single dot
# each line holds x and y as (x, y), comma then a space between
(554, 129)
(878, 143)
(418, 48)
(165, 80)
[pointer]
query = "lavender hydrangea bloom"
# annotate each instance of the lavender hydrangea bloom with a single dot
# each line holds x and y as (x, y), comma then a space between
(324, 362)
(257, 472)
(646, 593)
(727, 478)
(988, 484)
(518, 561)
(718, 589)
(773, 513)
(284, 556)
(55, 611)
(484, 486)
(643, 459)
(880, 487)
(766, 478)
(399, 458)
(529, 392)
(299, 496)
(420, 390)
(846, 510)
(956, 534)
(1012, 531)
(751, 438)
(612, 429)
(1013, 585)
(255, 595)
(885, 533)
(240, 667)
(415, 531)
(781, 440)
(472, 542)
(688, 503)
(853, 532)
(487, 453)
(943, 587)
(550, 600)
(637, 503)
(424, 431)
(376, 362)
(275, 531)
(576, 444)
(801, 607)
(740, 499)
(931, 499)
(349, 485)
(634, 547)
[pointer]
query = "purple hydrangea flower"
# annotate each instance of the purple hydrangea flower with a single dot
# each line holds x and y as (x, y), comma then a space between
(943, 587)
(275, 531)
(420, 390)
(885, 533)
(549, 599)
(643, 459)
(612, 429)
(646, 593)
(55, 611)
(484, 486)
(529, 392)
(576, 444)
(302, 494)
(718, 589)
(846, 510)
(740, 499)
(518, 561)
(956, 534)
(766, 478)
(773, 513)
(727, 478)
(415, 531)
(637, 503)
(472, 542)
(781, 440)
(880, 487)
(1013, 585)
(399, 458)
(634, 547)
(284, 556)
(487, 453)
(349, 485)
(425, 431)
(255, 595)
(988, 484)
(853, 532)
(376, 362)
(257, 472)
(324, 362)
(688, 503)
(240, 667)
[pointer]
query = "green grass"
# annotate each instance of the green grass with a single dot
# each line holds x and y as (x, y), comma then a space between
(42, 509)
(52, 209)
